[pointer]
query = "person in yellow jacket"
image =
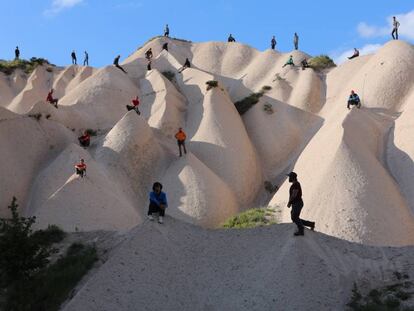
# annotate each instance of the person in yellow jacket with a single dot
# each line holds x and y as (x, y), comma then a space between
(180, 136)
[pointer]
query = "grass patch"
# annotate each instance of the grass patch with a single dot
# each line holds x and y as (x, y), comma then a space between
(266, 88)
(211, 84)
(35, 116)
(91, 132)
(252, 218)
(8, 67)
(52, 234)
(169, 75)
(246, 103)
(321, 62)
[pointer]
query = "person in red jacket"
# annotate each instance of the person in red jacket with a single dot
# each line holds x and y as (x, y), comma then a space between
(134, 106)
(81, 168)
(180, 136)
(85, 139)
(51, 100)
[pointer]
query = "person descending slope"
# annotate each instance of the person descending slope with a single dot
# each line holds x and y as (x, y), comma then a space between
(86, 59)
(231, 39)
(304, 64)
(395, 25)
(165, 46)
(296, 41)
(158, 202)
(356, 54)
(296, 202)
(73, 55)
(116, 63)
(134, 106)
(85, 139)
(17, 53)
(180, 136)
(289, 62)
(148, 54)
(81, 168)
(51, 100)
(186, 65)
(354, 100)
(273, 43)
(166, 31)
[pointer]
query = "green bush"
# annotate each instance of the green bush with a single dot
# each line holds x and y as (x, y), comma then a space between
(321, 62)
(211, 84)
(246, 103)
(91, 132)
(266, 88)
(8, 67)
(169, 75)
(255, 217)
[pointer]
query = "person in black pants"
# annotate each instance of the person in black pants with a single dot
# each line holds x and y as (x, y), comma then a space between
(17, 53)
(73, 55)
(158, 202)
(296, 202)
(116, 63)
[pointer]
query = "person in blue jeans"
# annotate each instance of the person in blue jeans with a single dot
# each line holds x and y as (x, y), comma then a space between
(158, 202)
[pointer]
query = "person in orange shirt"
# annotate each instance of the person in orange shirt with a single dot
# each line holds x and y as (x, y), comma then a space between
(180, 136)
(81, 168)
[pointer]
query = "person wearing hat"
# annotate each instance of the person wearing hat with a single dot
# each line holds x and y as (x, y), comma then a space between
(296, 202)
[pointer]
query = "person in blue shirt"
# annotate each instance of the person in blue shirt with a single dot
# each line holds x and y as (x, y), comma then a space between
(158, 202)
(354, 100)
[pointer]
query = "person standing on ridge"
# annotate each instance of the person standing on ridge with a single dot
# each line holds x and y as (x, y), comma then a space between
(231, 38)
(81, 168)
(166, 31)
(354, 100)
(395, 25)
(180, 136)
(116, 63)
(51, 100)
(158, 202)
(73, 55)
(85, 139)
(356, 54)
(17, 53)
(134, 106)
(273, 43)
(296, 202)
(86, 59)
(296, 41)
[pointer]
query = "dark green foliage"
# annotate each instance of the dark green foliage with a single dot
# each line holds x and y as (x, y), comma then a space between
(251, 218)
(36, 116)
(8, 67)
(321, 62)
(92, 132)
(169, 75)
(52, 234)
(246, 103)
(266, 88)
(211, 84)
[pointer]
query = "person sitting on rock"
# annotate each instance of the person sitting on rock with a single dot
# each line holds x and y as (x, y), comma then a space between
(51, 100)
(186, 65)
(180, 136)
(304, 64)
(81, 168)
(165, 46)
(289, 62)
(231, 39)
(85, 139)
(134, 106)
(356, 54)
(158, 202)
(148, 54)
(354, 100)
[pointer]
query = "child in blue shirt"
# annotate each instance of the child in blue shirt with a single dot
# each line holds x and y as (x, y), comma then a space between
(158, 202)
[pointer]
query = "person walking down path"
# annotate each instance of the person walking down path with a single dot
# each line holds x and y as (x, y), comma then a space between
(17, 53)
(356, 54)
(180, 136)
(148, 54)
(354, 100)
(158, 202)
(116, 63)
(51, 100)
(231, 38)
(81, 168)
(186, 65)
(296, 41)
(273, 43)
(134, 106)
(86, 59)
(289, 62)
(395, 25)
(166, 31)
(85, 139)
(74, 60)
(296, 202)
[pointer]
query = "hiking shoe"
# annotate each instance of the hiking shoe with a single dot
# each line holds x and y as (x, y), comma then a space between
(312, 227)
(160, 220)
(150, 218)
(297, 233)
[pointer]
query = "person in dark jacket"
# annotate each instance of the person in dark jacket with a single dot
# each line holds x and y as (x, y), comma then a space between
(166, 31)
(231, 38)
(296, 41)
(81, 168)
(395, 25)
(354, 100)
(186, 65)
(51, 100)
(17, 53)
(74, 60)
(165, 46)
(273, 43)
(116, 63)
(86, 59)
(134, 106)
(356, 54)
(85, 139)
(158, 202)
(296, 202)
(148, 54)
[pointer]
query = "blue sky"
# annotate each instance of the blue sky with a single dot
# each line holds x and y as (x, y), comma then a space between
(105, 28)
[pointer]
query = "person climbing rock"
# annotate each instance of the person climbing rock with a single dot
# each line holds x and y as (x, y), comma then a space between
(86, 59)
(158, 202)
(180, 136)
(304, 64)
(81, 168)
(395, 25)
(148, 54)
(296, 202)
(17, 53)
(186, 65)
(51, 100)
(73, 55)
(231, 38)
(134, 106)
(354, 100)
(165, 46)
(289, 62)
(273, 43)
(356, 54)
(296, 41)
(166, 31)
(116, 63)
(85, 139)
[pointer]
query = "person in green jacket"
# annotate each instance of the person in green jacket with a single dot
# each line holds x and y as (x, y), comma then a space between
(289, 62)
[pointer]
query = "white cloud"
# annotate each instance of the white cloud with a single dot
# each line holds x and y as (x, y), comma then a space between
(59, 5)
(340, 57)
(406, 27)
